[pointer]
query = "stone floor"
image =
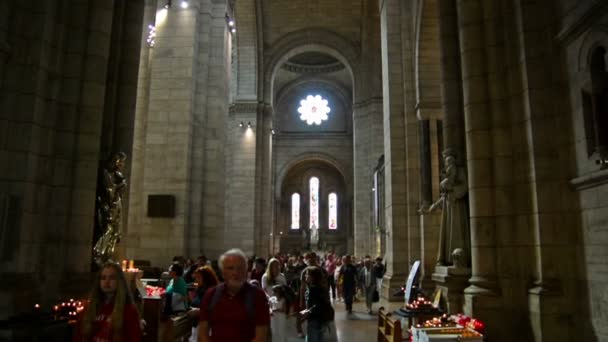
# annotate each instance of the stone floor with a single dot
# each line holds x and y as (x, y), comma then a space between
(358, 327)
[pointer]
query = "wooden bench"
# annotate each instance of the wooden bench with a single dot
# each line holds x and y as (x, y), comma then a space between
(389, 330)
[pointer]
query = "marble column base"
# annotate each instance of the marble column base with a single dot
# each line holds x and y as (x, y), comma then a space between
(452, 281)
(551, 318)
(486, 305)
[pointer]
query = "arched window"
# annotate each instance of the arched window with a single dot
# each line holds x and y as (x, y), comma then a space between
(333, 211)
(599, 104)
(595, 107)
(295, 211)
(314, 202)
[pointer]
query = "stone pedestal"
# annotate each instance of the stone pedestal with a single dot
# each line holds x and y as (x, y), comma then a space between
(486, 304)
(452, 281)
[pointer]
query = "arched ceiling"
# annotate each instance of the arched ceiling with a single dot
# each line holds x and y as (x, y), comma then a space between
(312, 67)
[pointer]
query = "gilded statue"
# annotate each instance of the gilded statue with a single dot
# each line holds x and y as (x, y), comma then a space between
(109, 207)
(454, 234)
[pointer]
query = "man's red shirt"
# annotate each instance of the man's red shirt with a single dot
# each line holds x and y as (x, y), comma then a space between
(229, 320)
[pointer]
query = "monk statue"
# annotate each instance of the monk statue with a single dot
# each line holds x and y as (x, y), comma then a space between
(454, 232)
(108, 209)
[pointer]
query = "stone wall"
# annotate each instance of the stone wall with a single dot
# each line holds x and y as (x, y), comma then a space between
(183, 113)
(60, 72)
(583, 29)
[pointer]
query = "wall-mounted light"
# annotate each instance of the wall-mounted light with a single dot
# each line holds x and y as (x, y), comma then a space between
(184, 4)
(151, 35)
(249, 124)
(272, 131)
(168, 4)
(231, 24)
(241, 124)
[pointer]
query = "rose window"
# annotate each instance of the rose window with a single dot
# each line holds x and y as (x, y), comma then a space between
(314, 109)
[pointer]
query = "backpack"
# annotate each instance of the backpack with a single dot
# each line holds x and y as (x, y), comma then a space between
(249, 299)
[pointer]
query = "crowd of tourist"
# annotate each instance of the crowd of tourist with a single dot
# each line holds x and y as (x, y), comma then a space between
(237, 298)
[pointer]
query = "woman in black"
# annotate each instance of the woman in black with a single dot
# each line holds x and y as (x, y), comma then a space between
(319, 312)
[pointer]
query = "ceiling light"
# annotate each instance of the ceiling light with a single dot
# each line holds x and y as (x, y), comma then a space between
(184, 4)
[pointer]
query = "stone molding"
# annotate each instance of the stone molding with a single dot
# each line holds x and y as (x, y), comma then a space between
(582, 22)
(368, 102)
(591, 180)
(312, 69)
(244, 107)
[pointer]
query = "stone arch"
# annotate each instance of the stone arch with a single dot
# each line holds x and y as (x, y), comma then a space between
(319, 40)
(427, 60)
(339, 97)
(592, 40)
(342, 93)
(311, 156)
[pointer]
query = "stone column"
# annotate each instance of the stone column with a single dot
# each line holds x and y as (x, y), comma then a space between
(163, 161)
(362, 179)
(554, 295)
(394, 147)
(367, 129)
(480, 298)
(429, 175)
(450, 280)
(367, 147)
(264, 194)
(240, 177)
(210, 119)
(137, 205)
(451, 80)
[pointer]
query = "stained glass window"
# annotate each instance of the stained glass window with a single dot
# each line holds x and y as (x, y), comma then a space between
(295, 211)
(314, 203)
(314, 109)
(333, 211)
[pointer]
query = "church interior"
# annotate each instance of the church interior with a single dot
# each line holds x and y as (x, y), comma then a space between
(469, 135)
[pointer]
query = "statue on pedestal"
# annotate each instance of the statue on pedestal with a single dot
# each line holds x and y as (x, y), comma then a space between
(454, 233)
(108, 211)
(314, 236)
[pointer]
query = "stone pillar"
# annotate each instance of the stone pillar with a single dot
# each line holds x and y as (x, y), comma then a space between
(452, 281)
(367, 129)
(554, 295)
(367, 147)
(180, 141)
(451, 80)
(397, 249)
(263, 181)
(210, 120)
(429, 175)
(481, 297)
(137, 202)
(240, 177)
